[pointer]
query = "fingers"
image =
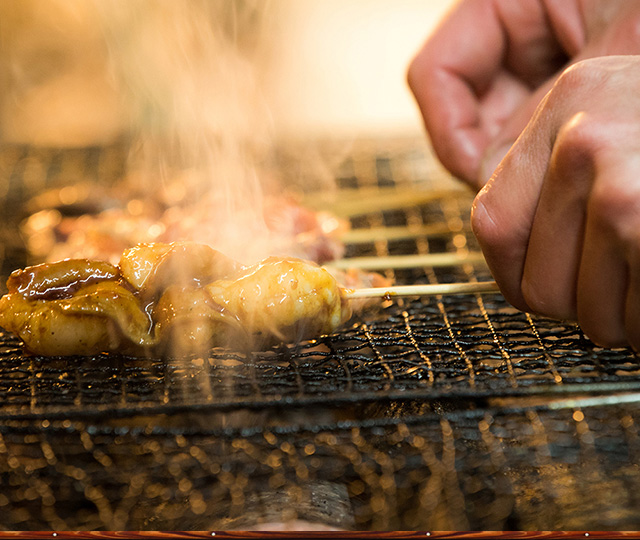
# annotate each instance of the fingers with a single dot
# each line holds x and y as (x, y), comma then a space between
(575, 266)
(554, 248)
(460, 58)
(602, 284)
(510, 129)
(559, 221)
(583, 247)
(540, 37)
(550, 57)
(481, 75)
(611, 28)
(608, 295)
(475, 71)
(503, 212)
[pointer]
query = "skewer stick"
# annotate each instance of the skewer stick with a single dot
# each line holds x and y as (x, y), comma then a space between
(407, 261)
(423, 290)
(354, 202)
(363, 236)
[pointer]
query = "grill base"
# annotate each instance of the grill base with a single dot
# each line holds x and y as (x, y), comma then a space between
(486, 469)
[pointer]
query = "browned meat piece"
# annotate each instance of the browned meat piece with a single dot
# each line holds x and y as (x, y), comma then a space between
(50, 280)
(151, 268)
(99, 317)
(288, 299)
(179, 298)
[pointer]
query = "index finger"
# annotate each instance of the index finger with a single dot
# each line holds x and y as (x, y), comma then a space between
(455, 63)
(480, 64)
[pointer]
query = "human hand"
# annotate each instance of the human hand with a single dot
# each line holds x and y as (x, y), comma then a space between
(480, 76)
(559, 221)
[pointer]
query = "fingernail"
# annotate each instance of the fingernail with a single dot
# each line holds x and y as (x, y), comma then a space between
(491, 161)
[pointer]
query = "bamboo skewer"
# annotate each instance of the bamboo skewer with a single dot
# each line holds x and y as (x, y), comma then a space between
(407, 261)
(363, 236)
(354, 202)
(477, 287)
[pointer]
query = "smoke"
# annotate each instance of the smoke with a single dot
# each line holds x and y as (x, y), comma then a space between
(187, 83)
(190, 78)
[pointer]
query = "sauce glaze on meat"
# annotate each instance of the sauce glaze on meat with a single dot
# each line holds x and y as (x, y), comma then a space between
(177, 298)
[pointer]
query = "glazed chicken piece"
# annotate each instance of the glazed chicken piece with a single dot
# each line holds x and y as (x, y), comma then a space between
(278, 300)
(101, 316)
(288, 299)
(151, 268)
(59, 279)
(176, 298)
(188, 321)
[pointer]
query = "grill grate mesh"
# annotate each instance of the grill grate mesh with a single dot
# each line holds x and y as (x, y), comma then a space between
(530, 469)
(446, 413)
(437, 349)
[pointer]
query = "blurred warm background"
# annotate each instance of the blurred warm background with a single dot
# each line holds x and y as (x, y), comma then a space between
(72, 72)
(342, 63)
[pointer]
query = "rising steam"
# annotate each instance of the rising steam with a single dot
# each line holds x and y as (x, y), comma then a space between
(190, 73)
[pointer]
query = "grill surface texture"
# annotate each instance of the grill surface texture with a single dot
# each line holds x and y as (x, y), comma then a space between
(455, 412)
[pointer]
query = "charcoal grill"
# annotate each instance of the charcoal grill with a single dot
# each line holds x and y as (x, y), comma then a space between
(454, 412)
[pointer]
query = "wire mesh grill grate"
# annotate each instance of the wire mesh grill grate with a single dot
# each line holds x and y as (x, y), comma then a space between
(392, 423)
(529, 469)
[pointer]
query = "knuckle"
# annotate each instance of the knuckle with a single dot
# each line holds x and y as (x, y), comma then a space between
(576, 137)
(587, 81)
(574, 151)
(581, 74)
(493, 223)
(571, 80)
(611, 210)
(583, 80)
(486, 225)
